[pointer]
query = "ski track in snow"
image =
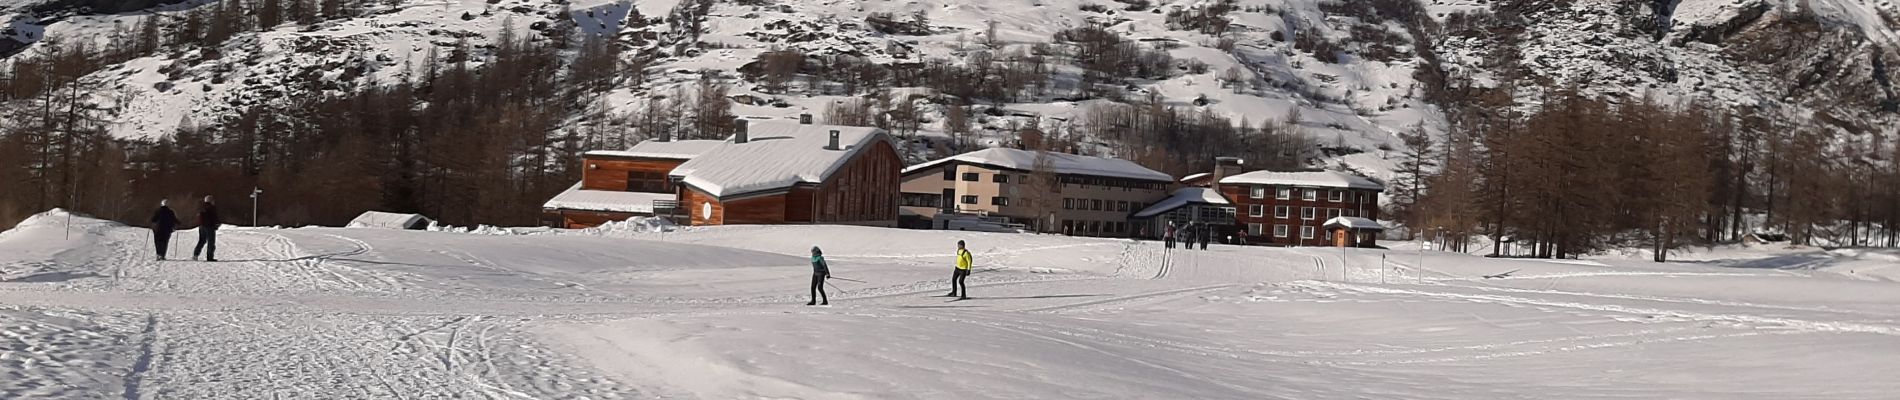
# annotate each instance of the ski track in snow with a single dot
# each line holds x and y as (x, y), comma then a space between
(1777, 322)
(343, 314)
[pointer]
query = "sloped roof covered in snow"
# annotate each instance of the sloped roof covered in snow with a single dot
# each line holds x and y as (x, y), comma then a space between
(1063, 163)
(579, 199)
(1182, 197)
(778, 156)
(1353, 223)
(387, 220)
(678, 150)
(1328, 179)
(1191, 178)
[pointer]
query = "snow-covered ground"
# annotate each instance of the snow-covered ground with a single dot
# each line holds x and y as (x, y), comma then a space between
(717, 313)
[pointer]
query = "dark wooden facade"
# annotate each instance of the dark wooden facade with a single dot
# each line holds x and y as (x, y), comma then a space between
(862, 192)
(615, 173)
(628, 174)
(1352, 203)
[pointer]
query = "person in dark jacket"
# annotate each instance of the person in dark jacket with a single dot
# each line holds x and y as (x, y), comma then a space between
(207, 231)
(819, 273)
(1207, 234)
(1189, 233)
(163, 223)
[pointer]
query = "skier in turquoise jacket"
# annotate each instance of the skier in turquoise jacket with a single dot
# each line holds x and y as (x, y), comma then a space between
(819, 272)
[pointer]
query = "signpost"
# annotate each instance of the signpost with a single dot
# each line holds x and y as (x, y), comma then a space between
(254, 193)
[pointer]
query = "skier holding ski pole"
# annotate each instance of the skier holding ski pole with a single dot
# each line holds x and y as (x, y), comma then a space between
(963, 272)
(819, 272)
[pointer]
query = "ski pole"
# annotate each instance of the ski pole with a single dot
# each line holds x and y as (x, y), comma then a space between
(848, 280)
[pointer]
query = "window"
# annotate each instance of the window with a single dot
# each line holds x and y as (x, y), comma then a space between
(1096, 205)
(649, 182)
(969, 199)
(1285, 194)
(1258, 192)
(1306, 213)
(1000, 178)
(1336, 196)
(999, 200)
(1306, 232)
(1309, 194)
(1352, 213)
(1121, 206)
(1068, 204)
(1282, 212)
(1279, 231)
(922, 200)
(971, 176)
(1256, 210)
(1332, 213)
(1253, 229)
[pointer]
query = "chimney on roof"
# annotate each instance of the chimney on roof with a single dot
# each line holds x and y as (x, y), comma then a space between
(1225, 167)
(804, 119)
(834, 141)
(741, 134)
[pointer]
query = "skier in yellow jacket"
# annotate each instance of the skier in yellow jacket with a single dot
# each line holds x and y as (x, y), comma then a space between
(963, 271)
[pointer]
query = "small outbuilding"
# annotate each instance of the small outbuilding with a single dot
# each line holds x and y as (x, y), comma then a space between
(1353, 232)
(387, 220)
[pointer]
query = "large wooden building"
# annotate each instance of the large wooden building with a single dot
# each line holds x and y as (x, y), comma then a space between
(775, 173)
(1293, 208)
(767, 173)
(617, 185)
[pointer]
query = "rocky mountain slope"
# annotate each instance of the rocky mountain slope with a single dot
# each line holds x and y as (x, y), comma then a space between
(1351, 74)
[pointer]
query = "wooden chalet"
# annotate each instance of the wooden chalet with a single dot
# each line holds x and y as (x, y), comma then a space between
(767, 173)
(780, 173)
(617, 185)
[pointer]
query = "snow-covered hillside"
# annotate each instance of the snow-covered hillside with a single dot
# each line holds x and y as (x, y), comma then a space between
(718, 313)
(1350, 70)
(1820, 62)
(1350, 101)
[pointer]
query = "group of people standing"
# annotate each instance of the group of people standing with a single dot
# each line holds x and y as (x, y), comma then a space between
(1188, 234)
(821, 272)
(164, 222)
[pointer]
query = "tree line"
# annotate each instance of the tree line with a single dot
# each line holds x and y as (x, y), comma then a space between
(466, 135)
(1579, 175)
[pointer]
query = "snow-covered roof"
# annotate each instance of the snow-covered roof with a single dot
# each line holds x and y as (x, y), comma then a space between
(1353, 223)
(678, 149)
(387, 220)
(1196, 176)
(579, 199)
(1062, 163)
(1327, 179)
(1182, 197)
(777, 156)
